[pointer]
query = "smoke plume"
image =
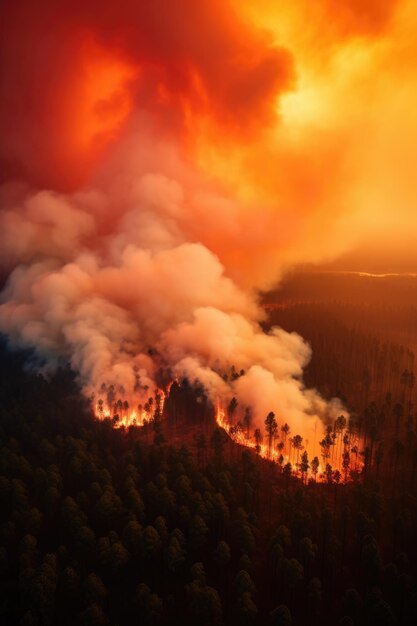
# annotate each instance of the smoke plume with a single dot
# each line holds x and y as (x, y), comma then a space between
(154, 184)
(118, 280)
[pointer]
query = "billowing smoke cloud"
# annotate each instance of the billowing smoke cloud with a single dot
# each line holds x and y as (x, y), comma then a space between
(157, 178)
(118, 281)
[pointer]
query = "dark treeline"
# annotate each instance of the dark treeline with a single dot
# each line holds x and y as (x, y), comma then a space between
(105, 526)
(394, 323)
(350, 359)
(388, 291)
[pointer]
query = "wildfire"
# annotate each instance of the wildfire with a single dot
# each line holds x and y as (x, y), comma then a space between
(124, 414)
(339, 449)
(238, 436)
(332, 455)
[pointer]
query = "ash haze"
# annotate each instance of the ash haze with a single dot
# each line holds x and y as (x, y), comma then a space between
(152, 189)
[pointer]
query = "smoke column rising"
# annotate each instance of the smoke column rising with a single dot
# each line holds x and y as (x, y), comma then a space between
(153, 188)
(106, 273)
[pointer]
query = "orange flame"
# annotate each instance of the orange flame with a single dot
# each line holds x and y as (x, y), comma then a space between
(238, 436)
(127, 416)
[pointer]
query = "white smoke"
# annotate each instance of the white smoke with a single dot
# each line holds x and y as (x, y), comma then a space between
(102, 276)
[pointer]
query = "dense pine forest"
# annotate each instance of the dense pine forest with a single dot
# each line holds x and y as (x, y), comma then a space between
(356, 352)
(115, 526)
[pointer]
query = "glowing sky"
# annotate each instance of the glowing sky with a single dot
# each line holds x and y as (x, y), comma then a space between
(305, 108)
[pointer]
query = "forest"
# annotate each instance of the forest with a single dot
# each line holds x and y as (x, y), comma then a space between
(176, 523)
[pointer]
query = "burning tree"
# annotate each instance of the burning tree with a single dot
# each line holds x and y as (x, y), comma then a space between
(271, 429)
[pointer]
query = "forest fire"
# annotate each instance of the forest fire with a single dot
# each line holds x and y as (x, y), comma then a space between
(126, 414)
(337, 460)
(333, 453)
(122, 416)
(207, 348)
(137, 227)
(237, 434)
(142, 238)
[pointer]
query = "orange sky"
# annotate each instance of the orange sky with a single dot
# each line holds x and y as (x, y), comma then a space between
(306, 110)
(347, 131)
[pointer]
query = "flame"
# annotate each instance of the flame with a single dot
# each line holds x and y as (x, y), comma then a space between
(125, 416)
(126, 419)
(238, 436)
(289, 456)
